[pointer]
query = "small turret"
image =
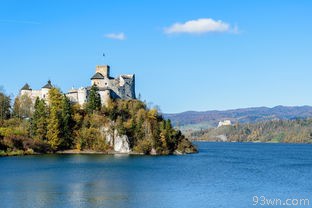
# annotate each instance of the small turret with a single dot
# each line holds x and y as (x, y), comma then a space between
(26, 90)
(26, 87)
(48, 85)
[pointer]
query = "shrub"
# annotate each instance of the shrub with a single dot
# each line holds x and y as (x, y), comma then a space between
(143, 146)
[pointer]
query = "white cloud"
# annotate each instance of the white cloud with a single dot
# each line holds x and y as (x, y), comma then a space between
(200, 26)
(116, 36)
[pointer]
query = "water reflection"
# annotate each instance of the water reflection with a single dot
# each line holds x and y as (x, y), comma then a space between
(220, 172)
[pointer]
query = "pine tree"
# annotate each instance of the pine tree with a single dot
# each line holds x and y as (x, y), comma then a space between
(38, 122)
(94, 103)
(67, 123)
(34, 119)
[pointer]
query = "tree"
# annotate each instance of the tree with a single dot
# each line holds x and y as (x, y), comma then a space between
(38, 122)
(23, 107)
(17, 108)
(5, 106)
(55, 98)
(54, 134)
(55, 119)
(94, 103)
(26, 106)
(67, 123)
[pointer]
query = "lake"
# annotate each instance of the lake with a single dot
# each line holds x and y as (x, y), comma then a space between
(221, 175)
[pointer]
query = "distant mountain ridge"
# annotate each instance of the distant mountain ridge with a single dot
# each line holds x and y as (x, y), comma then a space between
(242, 115)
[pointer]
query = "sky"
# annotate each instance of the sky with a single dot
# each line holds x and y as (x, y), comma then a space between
(186, 54)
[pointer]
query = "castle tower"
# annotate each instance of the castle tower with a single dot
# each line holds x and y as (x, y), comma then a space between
(45, 90)
(105, 97)
(26, 89)
(82, 96)
(104, 70)
(97, 79)
(101, 74)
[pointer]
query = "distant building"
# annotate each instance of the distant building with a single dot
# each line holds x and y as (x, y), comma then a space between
(33, 94)
(122, 87)
(225, 123)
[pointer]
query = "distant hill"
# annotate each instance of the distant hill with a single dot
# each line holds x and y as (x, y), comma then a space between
(286, 131)
(195, 120)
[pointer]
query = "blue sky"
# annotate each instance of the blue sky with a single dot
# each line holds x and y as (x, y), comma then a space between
(187, 55)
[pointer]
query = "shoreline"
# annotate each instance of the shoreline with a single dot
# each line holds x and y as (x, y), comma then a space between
(254, 142)
(65, 152)
(85, 152)
(92, 152)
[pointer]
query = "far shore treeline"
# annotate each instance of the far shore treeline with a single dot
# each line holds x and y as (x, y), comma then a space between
(285, 131)
(58, 124)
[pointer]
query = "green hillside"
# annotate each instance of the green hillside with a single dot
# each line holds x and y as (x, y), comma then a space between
(288, 131)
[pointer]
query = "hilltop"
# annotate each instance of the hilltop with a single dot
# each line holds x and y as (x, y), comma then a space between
(262, 124)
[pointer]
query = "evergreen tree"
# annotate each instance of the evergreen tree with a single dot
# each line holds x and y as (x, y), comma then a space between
(67, 123)
(94, 103)
(34, 119)
(38, 122)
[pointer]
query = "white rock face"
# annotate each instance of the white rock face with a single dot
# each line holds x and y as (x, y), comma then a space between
(122, 144)
(119, 143)
(223, 138)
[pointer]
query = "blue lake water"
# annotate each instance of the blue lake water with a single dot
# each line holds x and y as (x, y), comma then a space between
(221, 175)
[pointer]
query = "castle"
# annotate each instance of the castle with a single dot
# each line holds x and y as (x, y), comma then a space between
(225, 123)
(122, 87)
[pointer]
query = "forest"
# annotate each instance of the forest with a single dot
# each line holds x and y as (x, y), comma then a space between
(57, 124)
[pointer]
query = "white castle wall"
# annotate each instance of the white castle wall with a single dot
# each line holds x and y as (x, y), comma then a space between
(33, 94)
(82, 95)
(122, 87)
